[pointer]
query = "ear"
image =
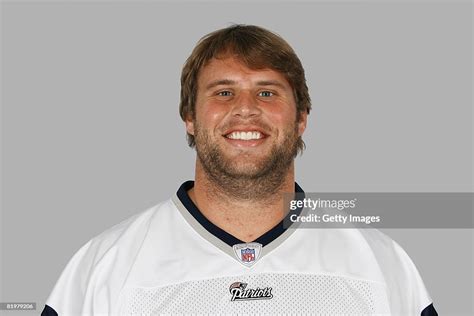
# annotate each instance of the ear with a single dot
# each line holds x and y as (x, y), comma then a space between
(189, 125)
(302, 122)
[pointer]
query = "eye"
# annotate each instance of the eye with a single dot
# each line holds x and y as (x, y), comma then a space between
(266, 94)
(224, 93)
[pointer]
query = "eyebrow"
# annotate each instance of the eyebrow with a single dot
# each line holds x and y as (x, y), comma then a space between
(220, 82)
(271, 83)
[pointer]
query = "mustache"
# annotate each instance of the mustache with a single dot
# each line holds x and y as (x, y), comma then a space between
(266, 128)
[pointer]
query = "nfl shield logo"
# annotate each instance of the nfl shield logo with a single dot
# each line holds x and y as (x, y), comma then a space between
(248, 255)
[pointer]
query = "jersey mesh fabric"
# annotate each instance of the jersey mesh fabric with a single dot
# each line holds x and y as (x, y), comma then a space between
(295, 293)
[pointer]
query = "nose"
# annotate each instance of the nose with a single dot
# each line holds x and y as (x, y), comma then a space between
(246, 105)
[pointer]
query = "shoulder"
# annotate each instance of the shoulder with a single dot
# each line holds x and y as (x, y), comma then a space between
(121, 234)
(390, 255)
(98, 269)
(126, 236)
(406, 288)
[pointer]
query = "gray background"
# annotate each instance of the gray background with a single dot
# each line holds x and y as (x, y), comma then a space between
(91, 132)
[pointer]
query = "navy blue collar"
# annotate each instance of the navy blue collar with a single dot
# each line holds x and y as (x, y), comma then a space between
(229, 239)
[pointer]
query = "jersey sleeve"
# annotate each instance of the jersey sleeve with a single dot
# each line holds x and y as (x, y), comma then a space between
(69, 293)
(92, 280)
(409, 295)
(405, 288)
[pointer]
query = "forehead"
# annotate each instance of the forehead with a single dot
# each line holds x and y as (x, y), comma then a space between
(231, 68)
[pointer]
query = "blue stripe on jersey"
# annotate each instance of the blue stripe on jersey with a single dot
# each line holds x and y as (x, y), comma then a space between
(229, 239)
(429, 311)
(48, 311)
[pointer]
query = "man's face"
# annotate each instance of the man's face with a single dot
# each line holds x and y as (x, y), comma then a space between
(245, 122)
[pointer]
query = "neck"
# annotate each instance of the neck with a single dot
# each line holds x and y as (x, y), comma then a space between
(245, 208)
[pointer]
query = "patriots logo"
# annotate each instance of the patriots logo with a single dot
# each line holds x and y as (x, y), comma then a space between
(240, 292)
(237, 285)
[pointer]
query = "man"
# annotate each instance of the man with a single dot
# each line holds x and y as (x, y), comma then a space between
(220, 246)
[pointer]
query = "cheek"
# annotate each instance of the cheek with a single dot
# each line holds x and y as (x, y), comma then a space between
(210, 115)
(281, 118)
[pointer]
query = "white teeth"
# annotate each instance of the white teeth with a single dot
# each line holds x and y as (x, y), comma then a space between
(245, 135)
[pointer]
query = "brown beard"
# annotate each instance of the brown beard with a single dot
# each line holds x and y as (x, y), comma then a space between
(253, 184)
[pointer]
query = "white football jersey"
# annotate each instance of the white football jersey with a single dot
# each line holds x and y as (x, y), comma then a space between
(171, 260)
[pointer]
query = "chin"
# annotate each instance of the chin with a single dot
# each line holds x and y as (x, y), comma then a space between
(245, 169)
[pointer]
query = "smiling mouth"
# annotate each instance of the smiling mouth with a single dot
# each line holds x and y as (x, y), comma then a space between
(245, 135)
